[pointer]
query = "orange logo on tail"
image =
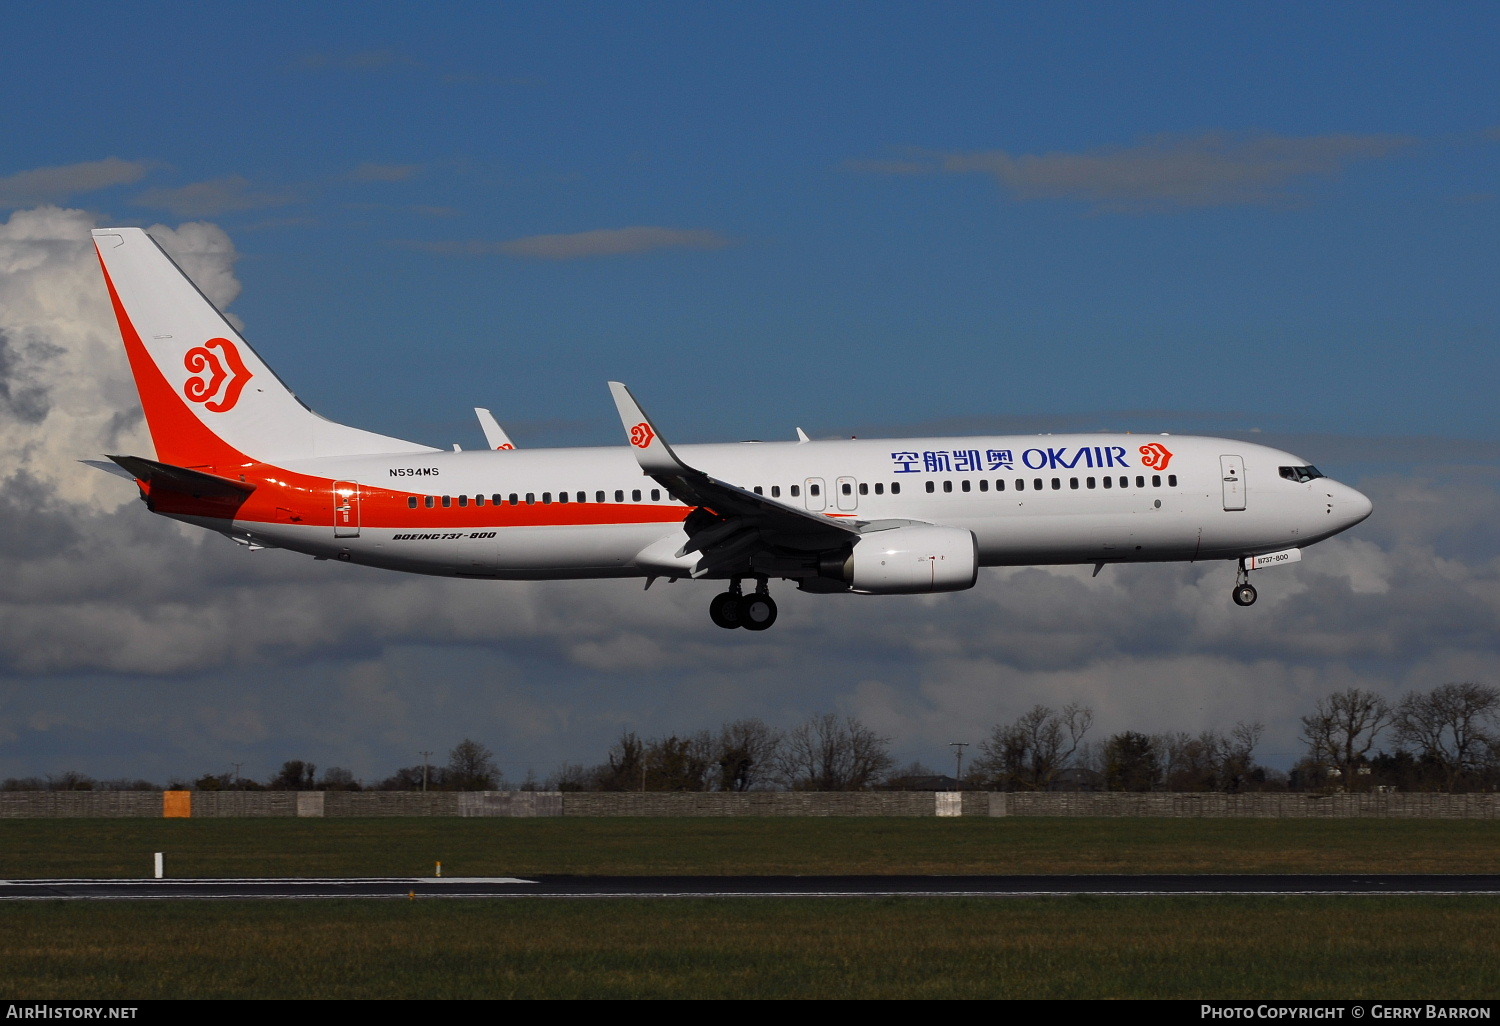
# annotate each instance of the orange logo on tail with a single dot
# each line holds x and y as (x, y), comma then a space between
(1156, 456)
(641, 435)
(220, 389)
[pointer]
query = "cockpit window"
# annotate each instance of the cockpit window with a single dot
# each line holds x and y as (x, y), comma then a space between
(1300, 474)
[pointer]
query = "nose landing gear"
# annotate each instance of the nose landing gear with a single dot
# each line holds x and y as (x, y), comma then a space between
(754, 612)
(1244, 592)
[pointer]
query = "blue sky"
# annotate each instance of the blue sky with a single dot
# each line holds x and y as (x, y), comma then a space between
(353, 152)
(863, 218)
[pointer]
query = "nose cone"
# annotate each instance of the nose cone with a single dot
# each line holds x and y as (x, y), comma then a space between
(1349, 507)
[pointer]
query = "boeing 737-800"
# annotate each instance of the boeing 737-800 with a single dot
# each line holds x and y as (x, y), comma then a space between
(238, 453)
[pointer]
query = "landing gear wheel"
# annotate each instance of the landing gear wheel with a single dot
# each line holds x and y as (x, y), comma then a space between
(1244, 594)
(757, 612)
(725, 611)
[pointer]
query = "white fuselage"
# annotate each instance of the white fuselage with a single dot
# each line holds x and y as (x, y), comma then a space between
(1049, 499)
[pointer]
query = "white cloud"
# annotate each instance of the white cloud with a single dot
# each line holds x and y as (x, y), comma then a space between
(1211, 169)
(58, 184)
(66, 392)
(601, 242)
(212, 198)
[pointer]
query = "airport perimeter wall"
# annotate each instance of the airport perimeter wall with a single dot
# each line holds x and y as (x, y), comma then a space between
(341, 804)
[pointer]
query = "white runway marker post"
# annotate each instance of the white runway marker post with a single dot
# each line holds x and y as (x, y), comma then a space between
(158, 865)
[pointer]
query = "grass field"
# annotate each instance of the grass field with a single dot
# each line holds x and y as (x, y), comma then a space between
(500, 847)
(1076, 947)
(756, 948)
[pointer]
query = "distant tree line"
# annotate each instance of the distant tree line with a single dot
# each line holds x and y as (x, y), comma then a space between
(470, 767)
(1446, 739)
(826, 753)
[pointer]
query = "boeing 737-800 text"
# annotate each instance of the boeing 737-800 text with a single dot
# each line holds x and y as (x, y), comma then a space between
(238, 453)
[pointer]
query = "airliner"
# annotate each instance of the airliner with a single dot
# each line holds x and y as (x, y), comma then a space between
(238, 453)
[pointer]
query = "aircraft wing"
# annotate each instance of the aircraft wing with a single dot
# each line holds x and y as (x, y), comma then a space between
(745, 522)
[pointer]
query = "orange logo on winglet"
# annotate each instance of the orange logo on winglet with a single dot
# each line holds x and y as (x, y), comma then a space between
(1156, 456)
(220, 379)
(641, 435)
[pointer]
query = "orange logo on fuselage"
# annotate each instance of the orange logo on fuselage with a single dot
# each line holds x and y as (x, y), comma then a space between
(220, 379)
(641, 435)
(1156, 456)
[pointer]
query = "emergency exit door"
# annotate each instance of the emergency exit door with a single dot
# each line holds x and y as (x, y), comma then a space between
(346, 509)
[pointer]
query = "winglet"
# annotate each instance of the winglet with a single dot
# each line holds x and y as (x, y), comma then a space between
(494, 434)
(651, 450)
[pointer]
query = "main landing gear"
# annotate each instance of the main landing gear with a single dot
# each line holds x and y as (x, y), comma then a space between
(1244, 592)
(753, 612)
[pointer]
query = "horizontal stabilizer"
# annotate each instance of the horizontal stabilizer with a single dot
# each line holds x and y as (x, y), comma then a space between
(165, 477)
(109, 468)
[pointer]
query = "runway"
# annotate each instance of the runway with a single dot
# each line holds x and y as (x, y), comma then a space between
(749, 886)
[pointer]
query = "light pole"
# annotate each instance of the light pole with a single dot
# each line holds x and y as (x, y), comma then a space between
(425, 757)
(958, 756)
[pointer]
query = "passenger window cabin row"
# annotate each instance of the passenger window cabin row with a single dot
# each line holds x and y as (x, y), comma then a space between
(528, 499)
(792, 491)
(1074, 483)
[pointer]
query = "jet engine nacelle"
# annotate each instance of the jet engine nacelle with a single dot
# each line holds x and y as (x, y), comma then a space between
(911, 560)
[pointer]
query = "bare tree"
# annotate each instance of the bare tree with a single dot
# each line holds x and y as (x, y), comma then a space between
(1237, 755)
(70, 780)
(746, 754)
(412, 778)
(1454, 725)
(678, 763)
(571, 776)
(1189, 761)
(471, 767)
(831, 754)
(295, 775)
(1211, 760)
(1031, 752)
(625, 765)
(1343, 728)
(338, 779)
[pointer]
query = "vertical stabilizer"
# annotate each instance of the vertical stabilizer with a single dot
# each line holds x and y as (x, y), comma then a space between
(209, 398)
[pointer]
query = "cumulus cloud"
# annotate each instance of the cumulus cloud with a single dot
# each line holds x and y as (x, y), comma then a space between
(62, 370)
(128, 641)
(602, 242)
(58, 184)
(1207, 170)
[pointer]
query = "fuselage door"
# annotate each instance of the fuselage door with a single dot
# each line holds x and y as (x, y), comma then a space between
(346, 509)
(1232, 470)
(817, 499)
(846, 493)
